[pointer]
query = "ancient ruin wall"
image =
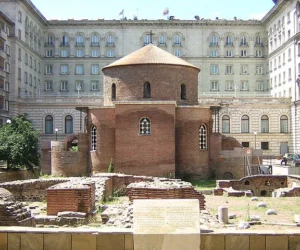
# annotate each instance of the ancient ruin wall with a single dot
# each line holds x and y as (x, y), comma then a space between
(67, 197)
(68, 163)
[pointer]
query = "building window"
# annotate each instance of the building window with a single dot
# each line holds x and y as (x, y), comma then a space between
(49, 53)
(243, 53)
(228, 69)
(265, 124)
(95, 40)
(95, 69)
(79, 86)
(147, 90)
(258, 53)
(225, 124)
(147, 39)
(64, 53)
(79, 69)
(229, 41)
(110, 53)
(259, 69)
(177, 52)
(113, 92)
(19, 52)
(49, 40)
(258, 41)
(64, 69)
(65, 40)
(229, 86)
(63, 85)
(283, 124)
(183, 91)
(79, 53)
(49, 69)
(145, 126)
(245, 124)
(264, 145)
(162, 40)
(202, 137)
(19, 34)
(94, 137)
(68, 124)
(229, 53)
(214, 85)
(20, 16)
(245, 144)
(94, 85)
(79, 40)
(48, 85)
(244, 41)
(25, 77)
(213, 40)
(260, 85)
(177, 40)
(48, 124)
(244, 86)
(244, 69)
(95, 53)
(214, 69)
(213, 53)
(110, 40)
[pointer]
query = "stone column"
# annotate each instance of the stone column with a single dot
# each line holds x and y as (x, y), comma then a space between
(223, 214)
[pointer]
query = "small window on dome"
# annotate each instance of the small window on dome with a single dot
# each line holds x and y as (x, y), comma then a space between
(147, 90)
(113, 92)
(183, 91)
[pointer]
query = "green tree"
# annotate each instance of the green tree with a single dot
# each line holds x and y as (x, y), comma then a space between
(19, 143)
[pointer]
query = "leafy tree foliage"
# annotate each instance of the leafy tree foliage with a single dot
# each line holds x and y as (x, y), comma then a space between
(19, 143)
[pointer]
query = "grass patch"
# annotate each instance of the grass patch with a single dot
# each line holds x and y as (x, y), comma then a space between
(204, 184)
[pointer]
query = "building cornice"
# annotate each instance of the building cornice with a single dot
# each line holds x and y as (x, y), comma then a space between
(274, 11)
(204, 22)
(35, 10)
(6, 18)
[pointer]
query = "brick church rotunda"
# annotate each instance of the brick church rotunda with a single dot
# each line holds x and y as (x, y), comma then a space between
(151, 122)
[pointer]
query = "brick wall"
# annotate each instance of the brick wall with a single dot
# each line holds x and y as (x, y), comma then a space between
(191, 162)
(69, 163)
(81, 199)
(45, 161)
(165, 83)
(16, 175)
(31, 190)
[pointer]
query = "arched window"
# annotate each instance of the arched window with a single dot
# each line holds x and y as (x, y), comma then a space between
(79, 40)
(162, 39)
(49, 40)
(244, 40)
(95, 40)
(147, 39)
(265, 124)
(245, 124)
(94, 138)
(147, 90)
(65, 40)
(110, 40)
(177, 40)
(145, 126)
(283, 124)
(183, 91)
(48, 124)
(203, 137)
(113, 92)
(214, 40)
(225, 124)
(229, 40)
(68, 124)
(258, 41)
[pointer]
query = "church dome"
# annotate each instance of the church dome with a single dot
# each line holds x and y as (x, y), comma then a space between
(150, 54)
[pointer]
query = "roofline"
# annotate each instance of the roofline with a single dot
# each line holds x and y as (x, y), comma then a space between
(139, 64)
(276, 8)
(32, 7)
(6, 18)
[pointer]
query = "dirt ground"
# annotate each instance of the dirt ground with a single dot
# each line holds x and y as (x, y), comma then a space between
(243, 207)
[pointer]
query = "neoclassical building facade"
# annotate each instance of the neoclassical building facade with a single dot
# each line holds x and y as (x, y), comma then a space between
(249, 69)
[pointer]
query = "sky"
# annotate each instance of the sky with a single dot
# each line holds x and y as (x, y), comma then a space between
(153, 9)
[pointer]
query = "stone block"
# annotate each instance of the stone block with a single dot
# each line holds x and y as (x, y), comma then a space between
(32, 241)
(3, 241)
(240, 242)
(128, 242)
(257, 242)
(14, 241)
(84, 241)
(276, 242)
(57, 241)
(294, 242)
(110, 242)
(209, 242)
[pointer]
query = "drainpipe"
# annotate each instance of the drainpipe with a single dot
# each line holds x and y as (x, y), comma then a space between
(296, 80)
